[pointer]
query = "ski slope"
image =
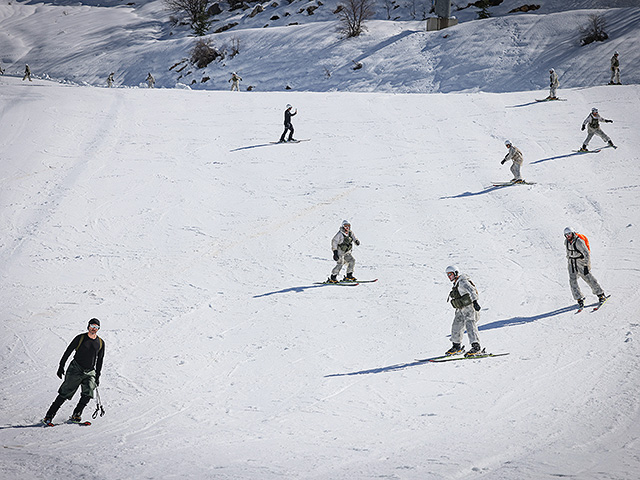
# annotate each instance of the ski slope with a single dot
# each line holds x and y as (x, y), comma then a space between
(167, 214)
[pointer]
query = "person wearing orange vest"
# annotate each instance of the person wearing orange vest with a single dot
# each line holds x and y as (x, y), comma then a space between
(579, 265)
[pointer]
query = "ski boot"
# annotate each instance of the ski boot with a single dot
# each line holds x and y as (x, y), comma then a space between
(349, 278)
(332, 279)
(581, 302)
(611, 144)
(583, 148)
(520, 180)
(455, 349)
(602, 298)
(75, 418)
(475, 350)
(47, 421)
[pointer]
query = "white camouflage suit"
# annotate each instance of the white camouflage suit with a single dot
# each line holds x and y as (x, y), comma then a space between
(343, 242)
(592, 123)
(554, 83)
(465, 317)
(515, 155)
(615, 70)
(579, 265)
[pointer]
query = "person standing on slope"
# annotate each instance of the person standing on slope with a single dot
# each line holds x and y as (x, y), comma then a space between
(151, 82)
(592, 122)
(84, 371)
(554, 83)
(341, 245)
(615, 70)
(110, 80)
(235, 82)
(579, 265)
(515, 155)
(288, 126)
(27, 74)
(464, 298)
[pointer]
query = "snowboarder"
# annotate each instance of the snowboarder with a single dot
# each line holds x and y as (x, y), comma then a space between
(553, 84)
(579, 265)
(341, 245)
(615, 70)
(150, 80)
(592, 122)
(235, 82)
(27, 73)
(110, 80)
(288, 126)
(515, 155)
(84, 371)
(464, 298)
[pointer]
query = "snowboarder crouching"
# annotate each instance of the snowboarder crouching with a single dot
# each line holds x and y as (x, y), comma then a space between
(84, 371)
(341, 245)
(515, 155)
(235, 82)
(554, 83)
(464, 298)
(592, 122)
(288, 126)
(579, 265)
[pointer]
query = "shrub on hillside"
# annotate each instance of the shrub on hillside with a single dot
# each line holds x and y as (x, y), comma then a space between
(353, 15)
(196, 12)
(594, 30)
(203, 53)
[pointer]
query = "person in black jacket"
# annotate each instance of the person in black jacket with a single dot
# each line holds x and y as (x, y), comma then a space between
(288, 127)
(84, 371)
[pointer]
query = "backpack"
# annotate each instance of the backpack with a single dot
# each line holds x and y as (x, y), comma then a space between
(585, 239)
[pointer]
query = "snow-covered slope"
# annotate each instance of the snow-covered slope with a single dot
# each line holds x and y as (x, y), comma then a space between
(196, 242)
(510, 51)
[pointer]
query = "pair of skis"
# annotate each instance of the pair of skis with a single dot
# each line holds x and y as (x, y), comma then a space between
(506, 184)
(51, 424)
(461, 356)
(292, 141)
(346, 283)
(597, 307)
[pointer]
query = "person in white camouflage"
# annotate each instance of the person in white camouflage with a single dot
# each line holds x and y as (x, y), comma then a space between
(515, 155)
(592, 123)
(235, 82)
(151, 82)
(554, 83)
(110, 80)
(579, 266)
(615, 70)
(341, 245)
(27, 74)
(464, 298)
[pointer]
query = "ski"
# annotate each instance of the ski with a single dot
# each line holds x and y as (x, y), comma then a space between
(597, 307)
(51, 424)
(472, 357)
(436, 359)
(598, 150)
(292, 141)
(342, 284)
(551, 99)
(360, 281)
(506, 184)
(580, 309)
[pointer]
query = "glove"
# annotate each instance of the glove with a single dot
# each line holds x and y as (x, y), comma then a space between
(586, 270)
(358, 242)
(60, 371)
(335, 255)
(502, 162)
(476, 306)
(609, 121)
(582, 127)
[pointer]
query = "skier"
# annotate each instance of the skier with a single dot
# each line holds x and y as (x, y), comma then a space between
(615, 70)
(553, 84)
(84, 371)
(288, 126)
(579, 265)
(1, 70)
(592, 122)
(110, 80)
(341, 244)
(464, 298)
(515, 155)
(150, 80)
(235, 82)
(27, 73)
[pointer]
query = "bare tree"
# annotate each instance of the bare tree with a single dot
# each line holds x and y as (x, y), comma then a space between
(353, 15)
(594, 30)
(196, 12)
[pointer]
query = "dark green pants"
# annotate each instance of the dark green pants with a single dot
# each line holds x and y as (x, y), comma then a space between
(77, 377)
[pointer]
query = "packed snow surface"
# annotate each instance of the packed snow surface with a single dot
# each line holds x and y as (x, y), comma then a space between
(169, 215)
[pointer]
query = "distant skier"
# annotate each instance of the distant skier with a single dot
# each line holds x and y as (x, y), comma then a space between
(464, 298)
(27, 73)
(515, 155)
(288, 126)
(554, 83)
(615, 70)
(110, 80)
(151, 82)
(235, 82)
(341, 245)
(1, 70)
(579, 265)
(84, 371)
(592, 122)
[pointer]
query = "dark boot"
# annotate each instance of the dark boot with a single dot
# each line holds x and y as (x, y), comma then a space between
(455, 349)
(53, 409)
(475, 350)
(77, 412)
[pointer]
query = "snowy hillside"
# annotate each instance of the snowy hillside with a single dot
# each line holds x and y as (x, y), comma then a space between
(286, 47)
(197, 242)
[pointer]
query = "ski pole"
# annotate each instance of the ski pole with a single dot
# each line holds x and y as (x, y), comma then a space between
(99, 408)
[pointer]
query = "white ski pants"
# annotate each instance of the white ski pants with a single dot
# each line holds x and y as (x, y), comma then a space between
(595, 131)
(552, 91)
(515, 170)
(235, 86)
(574, 274)
(465, 317)
(615, 75)
(342, 259)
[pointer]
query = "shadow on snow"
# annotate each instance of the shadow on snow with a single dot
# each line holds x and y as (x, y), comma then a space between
(293, 289)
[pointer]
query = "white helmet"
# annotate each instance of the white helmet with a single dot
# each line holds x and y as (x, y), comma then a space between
(594, 110)
(568, 231)
(508, 143)
(345, 222)
(452, 269)
(551, 70)
(615, 53)
(288, 106)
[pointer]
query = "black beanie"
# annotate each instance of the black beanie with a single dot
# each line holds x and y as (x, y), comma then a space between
(94, 321)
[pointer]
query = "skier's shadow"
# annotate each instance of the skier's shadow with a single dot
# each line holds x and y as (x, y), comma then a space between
(39, 425)
(473, 194)
(292, 289)
(523, 104)
(252, 146)
(524, 320)
(556, 158)
(390, 368)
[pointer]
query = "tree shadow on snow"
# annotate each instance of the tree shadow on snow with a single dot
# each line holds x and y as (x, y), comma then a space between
(293, 289)
(523, 320)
